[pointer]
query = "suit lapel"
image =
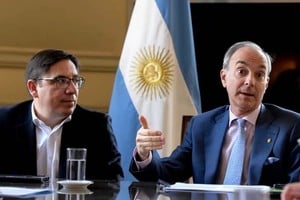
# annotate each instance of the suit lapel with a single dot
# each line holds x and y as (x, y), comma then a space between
(69, 138)
(213, 146)
(26, 143)
(263, 142)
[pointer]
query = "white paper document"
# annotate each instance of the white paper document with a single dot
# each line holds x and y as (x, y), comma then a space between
(214, 187)
(6, 191)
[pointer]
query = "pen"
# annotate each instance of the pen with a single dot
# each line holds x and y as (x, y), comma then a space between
(162, 185)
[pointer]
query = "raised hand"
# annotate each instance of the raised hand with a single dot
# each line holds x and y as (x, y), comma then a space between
(147, 139)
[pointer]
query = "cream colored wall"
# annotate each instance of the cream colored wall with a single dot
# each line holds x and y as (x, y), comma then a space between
(94, 30)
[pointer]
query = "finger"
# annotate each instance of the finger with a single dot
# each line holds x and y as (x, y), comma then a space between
(143, 122)
(147, 134)
(156, 145)
(153, 146)
(150, 141)
(146, 147)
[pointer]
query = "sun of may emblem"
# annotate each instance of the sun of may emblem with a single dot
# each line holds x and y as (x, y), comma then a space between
(152, 73)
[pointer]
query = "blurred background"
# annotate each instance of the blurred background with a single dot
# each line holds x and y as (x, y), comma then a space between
(95, 31)
(91, 29)
(271, 25)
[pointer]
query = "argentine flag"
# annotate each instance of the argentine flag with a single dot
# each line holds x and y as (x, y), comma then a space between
(157, 75)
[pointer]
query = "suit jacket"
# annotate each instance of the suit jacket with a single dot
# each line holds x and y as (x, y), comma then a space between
(275, 155)
(87, 129)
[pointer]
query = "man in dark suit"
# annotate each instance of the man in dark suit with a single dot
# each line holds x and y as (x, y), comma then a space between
(35, 134)
(272, 154)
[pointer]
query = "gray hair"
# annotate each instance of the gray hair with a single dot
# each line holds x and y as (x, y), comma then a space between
(249, 44)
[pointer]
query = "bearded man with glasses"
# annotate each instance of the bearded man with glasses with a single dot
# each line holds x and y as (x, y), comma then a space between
(35, 134)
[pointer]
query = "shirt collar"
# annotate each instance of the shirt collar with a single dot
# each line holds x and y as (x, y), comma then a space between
(39, 122)
(252, 117)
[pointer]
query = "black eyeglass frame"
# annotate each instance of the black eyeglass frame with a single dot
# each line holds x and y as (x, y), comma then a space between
(64, 82)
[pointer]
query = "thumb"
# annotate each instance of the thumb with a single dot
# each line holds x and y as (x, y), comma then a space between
(143, 122)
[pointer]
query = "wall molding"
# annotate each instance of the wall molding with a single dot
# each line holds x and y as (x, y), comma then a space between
(98, 108)
(90, 61)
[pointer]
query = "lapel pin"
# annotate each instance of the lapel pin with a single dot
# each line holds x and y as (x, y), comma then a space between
(269, 140)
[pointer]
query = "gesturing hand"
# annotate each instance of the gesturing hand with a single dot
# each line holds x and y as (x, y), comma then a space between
(147, 139)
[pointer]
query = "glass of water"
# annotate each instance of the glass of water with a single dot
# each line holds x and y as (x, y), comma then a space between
(76, 164)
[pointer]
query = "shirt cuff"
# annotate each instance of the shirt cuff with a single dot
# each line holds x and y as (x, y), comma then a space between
(144, 163)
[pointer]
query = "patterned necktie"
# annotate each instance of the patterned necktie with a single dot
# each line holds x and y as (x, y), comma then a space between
(236, 159)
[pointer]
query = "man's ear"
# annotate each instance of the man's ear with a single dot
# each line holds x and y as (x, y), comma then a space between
(267, 84)
(223, 77)
(32, 88)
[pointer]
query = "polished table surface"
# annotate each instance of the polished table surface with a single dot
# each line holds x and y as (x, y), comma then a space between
(124, 190)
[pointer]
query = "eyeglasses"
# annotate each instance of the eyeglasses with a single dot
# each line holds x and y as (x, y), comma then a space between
(64, 82)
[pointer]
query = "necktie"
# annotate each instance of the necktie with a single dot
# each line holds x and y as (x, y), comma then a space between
(236, 159)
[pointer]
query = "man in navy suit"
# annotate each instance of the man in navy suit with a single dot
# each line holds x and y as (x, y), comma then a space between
(272, 154)
(35, 134)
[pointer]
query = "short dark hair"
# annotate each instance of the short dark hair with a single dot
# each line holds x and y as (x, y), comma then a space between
(42, 61)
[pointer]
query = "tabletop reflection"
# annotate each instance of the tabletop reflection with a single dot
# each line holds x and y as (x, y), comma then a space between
(124, 190)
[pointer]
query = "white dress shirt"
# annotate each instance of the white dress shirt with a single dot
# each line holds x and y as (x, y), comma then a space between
(48, 146)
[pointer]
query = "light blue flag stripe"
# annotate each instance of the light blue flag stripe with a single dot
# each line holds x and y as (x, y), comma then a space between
(124, 122)
(177, 15)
